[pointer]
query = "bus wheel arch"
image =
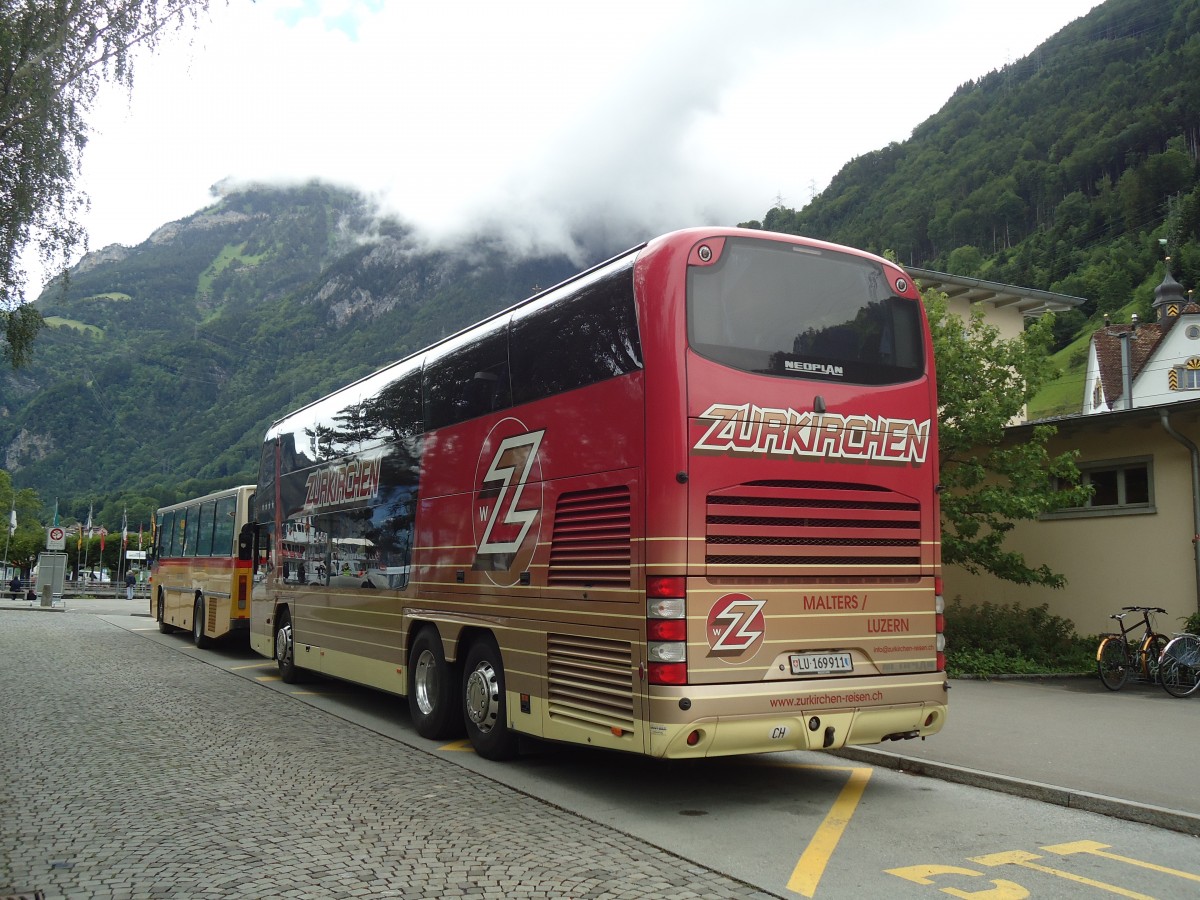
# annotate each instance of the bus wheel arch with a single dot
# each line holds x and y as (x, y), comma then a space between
(199, 638)
(485, 707)
(285, 647)
(433, 687)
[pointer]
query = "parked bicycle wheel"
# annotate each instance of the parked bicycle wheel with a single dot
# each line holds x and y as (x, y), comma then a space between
(1112, 663)
(1151, 650)
(1180, 669)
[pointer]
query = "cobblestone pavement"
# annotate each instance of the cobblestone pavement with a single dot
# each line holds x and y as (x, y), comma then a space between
(130, 771)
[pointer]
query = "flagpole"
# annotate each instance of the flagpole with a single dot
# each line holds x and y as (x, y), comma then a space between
(87, 549)
(12, 518)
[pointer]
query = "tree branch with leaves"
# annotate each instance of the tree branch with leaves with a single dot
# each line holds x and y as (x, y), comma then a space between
(54, 56)
(989, 481)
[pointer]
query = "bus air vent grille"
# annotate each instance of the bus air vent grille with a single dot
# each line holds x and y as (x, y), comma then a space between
(590, 682)
(790, 528)
(590, 546)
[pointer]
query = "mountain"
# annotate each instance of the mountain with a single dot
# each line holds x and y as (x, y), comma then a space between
(1061, 171)
(163, 364)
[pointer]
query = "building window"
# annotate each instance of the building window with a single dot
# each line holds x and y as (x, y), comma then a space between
(1119, 487)
(1186, 377)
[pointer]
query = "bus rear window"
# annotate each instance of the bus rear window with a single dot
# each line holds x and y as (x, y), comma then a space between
(772, 308)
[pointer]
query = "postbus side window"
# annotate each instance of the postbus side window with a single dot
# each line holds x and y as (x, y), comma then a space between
(168, 534)
(204, 529)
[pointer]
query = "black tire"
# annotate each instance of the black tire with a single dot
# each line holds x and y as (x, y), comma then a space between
(1180, 670)
(432, 689)
(285, 649)
(1152, 648)
(1112, 663)
(199, 638)
(485, 707)
(161, 615)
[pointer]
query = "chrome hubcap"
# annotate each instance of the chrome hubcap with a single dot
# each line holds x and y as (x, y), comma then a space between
(483, 697)
(425, 682)
(283, 644)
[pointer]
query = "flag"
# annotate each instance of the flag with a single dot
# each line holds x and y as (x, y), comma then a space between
(103, 532)
(89, 522)
(55, 522)
(12, 521)
(124, 528)
(139, 535)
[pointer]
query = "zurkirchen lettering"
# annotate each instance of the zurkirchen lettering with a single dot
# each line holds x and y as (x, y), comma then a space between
(787, 433)
(355, 480)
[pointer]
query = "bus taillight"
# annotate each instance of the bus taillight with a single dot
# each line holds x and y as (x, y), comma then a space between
(666, 629)
(939, 619)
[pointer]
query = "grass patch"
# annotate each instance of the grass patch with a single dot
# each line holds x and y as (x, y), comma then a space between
(61, 322)
(231, 254)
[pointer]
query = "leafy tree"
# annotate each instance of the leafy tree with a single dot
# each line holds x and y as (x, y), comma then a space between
(54, 56)
(29, 538)
(990, 483)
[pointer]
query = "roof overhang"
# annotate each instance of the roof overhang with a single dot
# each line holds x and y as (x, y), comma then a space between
(1186, 410)
(1029, 302)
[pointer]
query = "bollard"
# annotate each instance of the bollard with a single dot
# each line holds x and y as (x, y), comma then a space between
(47, 596)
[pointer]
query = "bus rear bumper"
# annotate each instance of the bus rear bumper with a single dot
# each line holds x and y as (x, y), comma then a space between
(802, 727)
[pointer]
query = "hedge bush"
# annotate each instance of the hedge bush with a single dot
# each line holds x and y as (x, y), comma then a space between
(998, 639)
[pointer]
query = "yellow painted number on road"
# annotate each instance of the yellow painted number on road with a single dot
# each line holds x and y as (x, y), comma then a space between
(1003, 890)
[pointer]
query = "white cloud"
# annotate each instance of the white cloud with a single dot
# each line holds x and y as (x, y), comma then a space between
(549, 116)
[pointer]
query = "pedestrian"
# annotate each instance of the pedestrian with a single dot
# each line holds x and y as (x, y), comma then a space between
(130, 581)
(15, 587)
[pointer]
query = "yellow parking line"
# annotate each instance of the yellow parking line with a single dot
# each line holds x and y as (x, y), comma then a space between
(1097, 849)
(817, 854)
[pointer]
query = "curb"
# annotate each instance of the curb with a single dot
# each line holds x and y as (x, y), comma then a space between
(1159, 817)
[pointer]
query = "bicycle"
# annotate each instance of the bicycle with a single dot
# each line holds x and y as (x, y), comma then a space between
(1179, 669)
(1117, 657)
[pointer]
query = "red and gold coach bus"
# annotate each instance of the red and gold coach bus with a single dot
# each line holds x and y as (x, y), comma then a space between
(200, 569)
(683, 504)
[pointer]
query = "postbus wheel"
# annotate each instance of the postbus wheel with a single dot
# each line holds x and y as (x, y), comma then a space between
(432, 688)
(161, 614)
(285, 650)
(199, 638)
(484, 706)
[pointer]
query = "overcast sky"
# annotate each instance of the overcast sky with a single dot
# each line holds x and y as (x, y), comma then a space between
(644, 115)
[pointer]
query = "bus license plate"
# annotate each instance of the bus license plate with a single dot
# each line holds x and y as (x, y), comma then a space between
(821, 663)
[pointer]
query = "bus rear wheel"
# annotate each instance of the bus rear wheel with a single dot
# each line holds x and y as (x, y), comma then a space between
(199, 638)
(484, 705)
(431, 688)
(285, 650)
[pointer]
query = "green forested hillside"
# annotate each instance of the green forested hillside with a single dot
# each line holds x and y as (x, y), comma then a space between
(1060, 172)
(162, 365)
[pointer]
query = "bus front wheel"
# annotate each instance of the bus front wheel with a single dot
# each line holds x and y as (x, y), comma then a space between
(199, 638)
(161, 615)
(285, 650)
(431, 688)
(484, 705)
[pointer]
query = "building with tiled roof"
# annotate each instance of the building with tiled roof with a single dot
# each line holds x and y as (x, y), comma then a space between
(1134, 365)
